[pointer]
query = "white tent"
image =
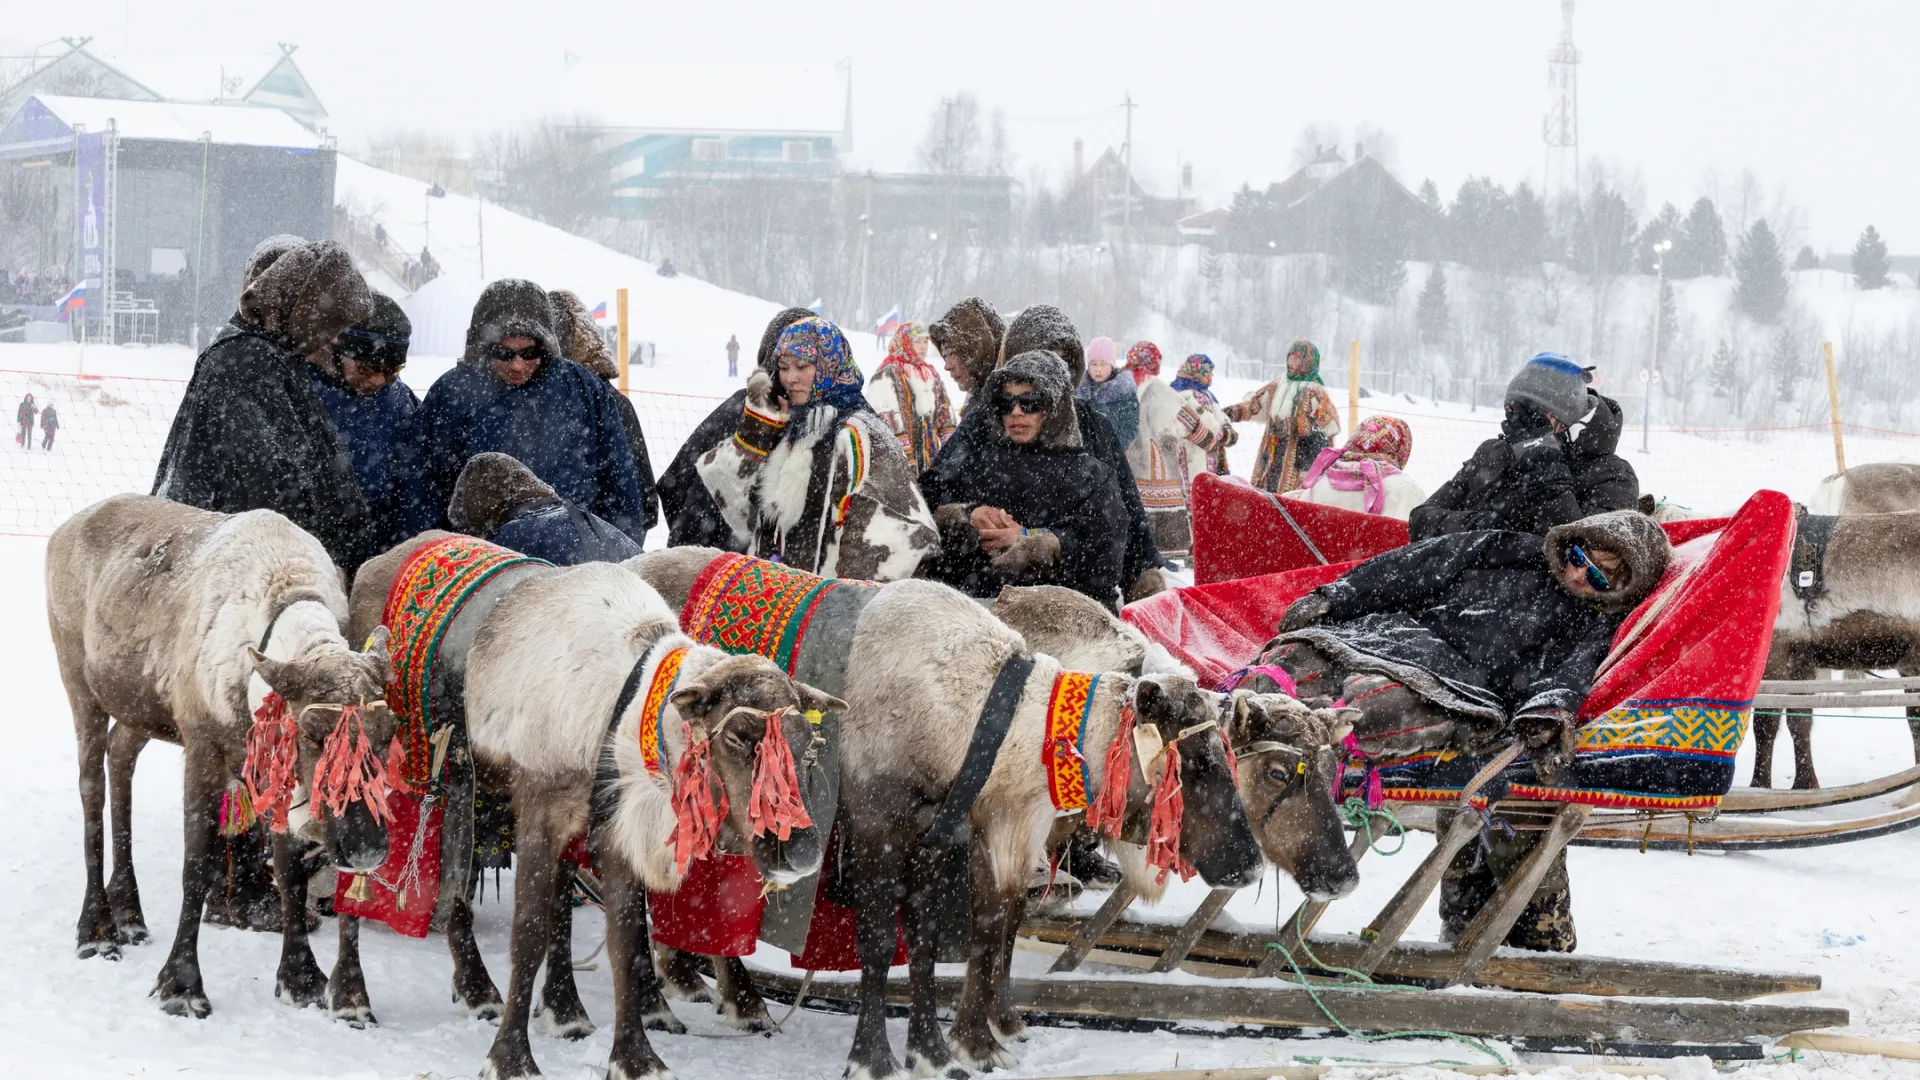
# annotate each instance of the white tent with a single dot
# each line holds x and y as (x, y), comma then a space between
(440, 311)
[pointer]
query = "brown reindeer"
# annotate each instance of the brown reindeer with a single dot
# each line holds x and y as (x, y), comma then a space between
(177, 624)
(545, 703)
(922, 661)
(1868, 619)
(1878, 488)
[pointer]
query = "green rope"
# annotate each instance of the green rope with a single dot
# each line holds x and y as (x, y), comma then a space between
(1363, 982)
(1358, 816)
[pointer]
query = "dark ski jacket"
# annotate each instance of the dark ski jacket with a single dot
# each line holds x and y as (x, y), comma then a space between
(375, 429)
(563, 534)
(1530, 478)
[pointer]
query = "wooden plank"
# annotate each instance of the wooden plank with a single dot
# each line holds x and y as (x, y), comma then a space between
(1489, 927)
(1307, 915)
(1183, 939)
(1852, 1044)
(1764, 800)
(1470, 1012)
(1832, 686)
(1748, 832)
(1423, 962)
(1382, 1070)
(1392, 922)
(1092, 930)
(1835, 701)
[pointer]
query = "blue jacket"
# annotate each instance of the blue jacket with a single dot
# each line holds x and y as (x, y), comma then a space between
(563, 535)
(374, 430)
(563, 424)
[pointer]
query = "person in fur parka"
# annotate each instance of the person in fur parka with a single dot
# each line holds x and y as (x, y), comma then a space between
(910, 397)
(1181, 433)
(812, 478)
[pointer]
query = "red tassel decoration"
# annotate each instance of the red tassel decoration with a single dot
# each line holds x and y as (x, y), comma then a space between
(1163, 829)
(696, 815)
(775, 806)
(349, 771)
(271, 770)
(1108, 812)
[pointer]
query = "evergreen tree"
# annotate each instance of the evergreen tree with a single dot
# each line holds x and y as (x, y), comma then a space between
(1806, 260)
(1430, 195)
(1870, 264)
(1700, 249)
(1666, 226)
(1785, 364)
(1760, 274)
(1723, 371)
(1374, 266)
(1431, 317)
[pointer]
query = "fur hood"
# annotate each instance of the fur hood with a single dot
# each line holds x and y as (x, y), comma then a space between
(770, 339)
(1633, 536)
(1048, 374)
(511, 307)
(971, 329)
(489, 490)
(1044, 326)
(306, 296)
(267, 252)
(579, 337)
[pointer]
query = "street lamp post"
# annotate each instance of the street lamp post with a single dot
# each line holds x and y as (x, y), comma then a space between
(1652, 374)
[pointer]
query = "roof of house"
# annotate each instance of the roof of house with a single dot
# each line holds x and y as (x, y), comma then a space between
(52, 117)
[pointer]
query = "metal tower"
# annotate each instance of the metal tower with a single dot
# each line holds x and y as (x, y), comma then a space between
(1560, 128)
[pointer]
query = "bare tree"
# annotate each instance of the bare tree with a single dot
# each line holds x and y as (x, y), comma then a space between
(549, 169)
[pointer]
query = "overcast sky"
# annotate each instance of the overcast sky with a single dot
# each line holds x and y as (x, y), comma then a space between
(1678, 96)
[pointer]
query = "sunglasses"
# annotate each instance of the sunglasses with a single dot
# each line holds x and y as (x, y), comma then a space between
(1032, 402)
(504, 355)
(1596, 577)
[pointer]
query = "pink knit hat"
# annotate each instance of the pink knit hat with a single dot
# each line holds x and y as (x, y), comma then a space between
(1100, 349)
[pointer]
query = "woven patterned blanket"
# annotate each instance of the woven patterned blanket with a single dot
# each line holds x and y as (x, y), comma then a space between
(742, 605)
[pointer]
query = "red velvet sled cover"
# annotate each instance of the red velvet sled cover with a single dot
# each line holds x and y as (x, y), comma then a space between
(1238, 532)
(715, 912)
(1668, 710)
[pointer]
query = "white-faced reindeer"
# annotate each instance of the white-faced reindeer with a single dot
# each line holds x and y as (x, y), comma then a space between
(220, 633)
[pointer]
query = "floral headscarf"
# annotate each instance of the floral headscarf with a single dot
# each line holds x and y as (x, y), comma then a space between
(836, 378)
(1378, 448)
(1197, 375)
(1143, 360)
(1311, 353)
(908, 349)
(1380, 438)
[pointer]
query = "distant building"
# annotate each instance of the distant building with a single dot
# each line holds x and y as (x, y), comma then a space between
(183, 79)
(1116, 197)
(1325, 204)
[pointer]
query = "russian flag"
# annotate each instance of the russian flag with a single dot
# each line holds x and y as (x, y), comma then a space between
(75, 299)
(599, 310)
(888, 323)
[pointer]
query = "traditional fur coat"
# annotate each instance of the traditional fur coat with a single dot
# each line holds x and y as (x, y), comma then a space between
(1178, 435)
(910, 397)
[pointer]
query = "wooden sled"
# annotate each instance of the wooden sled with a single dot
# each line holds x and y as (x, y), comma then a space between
(1806, 695)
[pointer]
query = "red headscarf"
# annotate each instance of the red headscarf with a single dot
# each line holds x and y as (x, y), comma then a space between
(1380, 438)
(908, 348)
(1143, 360)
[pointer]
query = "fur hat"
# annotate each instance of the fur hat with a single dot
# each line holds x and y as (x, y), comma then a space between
(489, 490)
(510, 307)
(1044, 326)
(379, 340)
(307, 296)
(770, 338)
(971, 330)
(1640, 542)
(266, 252)
(1555, 384)
(580, 338)
(1048, 374)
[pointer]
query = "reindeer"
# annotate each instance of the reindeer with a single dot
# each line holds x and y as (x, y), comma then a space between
(546, 704)
(220, 633)
(922, 662)
(1886, 487)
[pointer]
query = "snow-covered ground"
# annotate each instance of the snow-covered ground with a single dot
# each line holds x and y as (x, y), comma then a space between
(1784, 911)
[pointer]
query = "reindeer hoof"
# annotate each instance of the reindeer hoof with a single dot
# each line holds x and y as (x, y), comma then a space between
(132, 933)
(883, 1071)
(923, 1066)
(549, 1024)
(657, 1071)
(494, 1071)
(663, 1021)
(1009, 1029)
(357, 1017)
(193, 1005)
(986, 1058)
(105, 950)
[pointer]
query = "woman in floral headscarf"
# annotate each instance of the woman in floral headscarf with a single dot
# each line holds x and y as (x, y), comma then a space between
(910, 397)
(1301, 420)
(1195, 380)
(1365, 475)
(812, 477)
(1182, 434)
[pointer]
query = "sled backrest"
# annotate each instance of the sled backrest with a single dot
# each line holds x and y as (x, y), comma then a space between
(1241, 531)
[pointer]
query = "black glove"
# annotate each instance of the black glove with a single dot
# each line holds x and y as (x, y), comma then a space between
(1548, 737)
(1305, 611)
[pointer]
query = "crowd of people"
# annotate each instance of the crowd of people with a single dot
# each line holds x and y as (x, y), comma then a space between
(39, 288)
(1066, 462)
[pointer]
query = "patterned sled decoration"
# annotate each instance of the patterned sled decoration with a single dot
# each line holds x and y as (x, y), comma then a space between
(1672, 701)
